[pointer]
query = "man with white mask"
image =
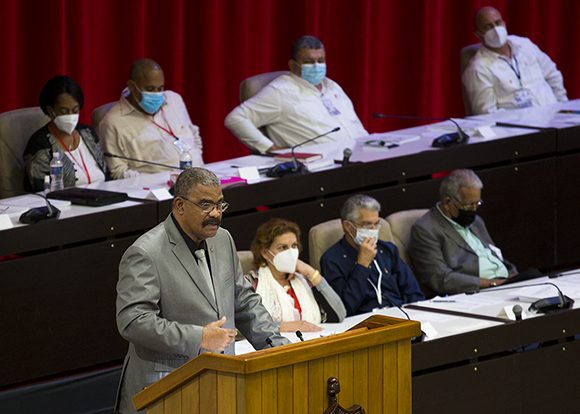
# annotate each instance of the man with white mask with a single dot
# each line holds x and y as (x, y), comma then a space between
(296, 107)
(149, 123)
(508, 71)
(366, 272)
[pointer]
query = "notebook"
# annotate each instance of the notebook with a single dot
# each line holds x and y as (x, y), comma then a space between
(88, 196)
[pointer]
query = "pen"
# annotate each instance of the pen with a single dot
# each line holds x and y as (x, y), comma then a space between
(443, 301)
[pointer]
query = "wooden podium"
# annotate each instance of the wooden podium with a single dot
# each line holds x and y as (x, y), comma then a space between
(372, 362)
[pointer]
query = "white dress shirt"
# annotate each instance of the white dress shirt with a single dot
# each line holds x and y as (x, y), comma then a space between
(292, 111)
(85, 165)
(129, 132)
(493, 81)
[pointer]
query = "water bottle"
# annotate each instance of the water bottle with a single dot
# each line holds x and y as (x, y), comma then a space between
(185, 160)
(56, 173)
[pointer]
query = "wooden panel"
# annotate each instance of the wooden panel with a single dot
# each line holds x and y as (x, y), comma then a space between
(190, 397)
(285, 390)
(316, 386)
(157, 408)
(226, 393)
(269, 391)
(390, 389)
(404, 380)
(346, 378)
(361, 378)
(253, 393)
(173, 402)
(208, 392)
(375, 380)
(300, 392)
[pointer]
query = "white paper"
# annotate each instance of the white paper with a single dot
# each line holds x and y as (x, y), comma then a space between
(249, 173)
(159, 194)
(5, 222)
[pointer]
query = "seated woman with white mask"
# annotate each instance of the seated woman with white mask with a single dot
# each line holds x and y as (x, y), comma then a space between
(294, 293)
(62, 99)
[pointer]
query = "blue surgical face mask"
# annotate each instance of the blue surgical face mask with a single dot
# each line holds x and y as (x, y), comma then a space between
(151, 101)
(313, 73)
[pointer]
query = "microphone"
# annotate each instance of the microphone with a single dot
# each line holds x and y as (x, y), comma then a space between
(415, 339)
(36, 214)
(299, 335)
(517, 310)
(294, 166)
(108, 154)
(346, 153)
(269, 342)
(443, 141)
(546, 305)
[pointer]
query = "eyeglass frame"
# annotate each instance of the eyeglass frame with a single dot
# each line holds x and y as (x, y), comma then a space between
(220, 206)
(468, 206)
(373, 226)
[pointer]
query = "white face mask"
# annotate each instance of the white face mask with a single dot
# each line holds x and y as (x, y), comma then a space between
(496, 37)
(67, 123)
(362, 234)
(286, 260)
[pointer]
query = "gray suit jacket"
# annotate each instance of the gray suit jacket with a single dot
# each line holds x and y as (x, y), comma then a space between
(442, 260)
(163, 302)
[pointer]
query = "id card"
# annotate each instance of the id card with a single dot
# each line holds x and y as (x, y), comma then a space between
(523, 98)
(332, 110)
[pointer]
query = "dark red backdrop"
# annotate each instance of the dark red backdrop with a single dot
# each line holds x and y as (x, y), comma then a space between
(393, 56)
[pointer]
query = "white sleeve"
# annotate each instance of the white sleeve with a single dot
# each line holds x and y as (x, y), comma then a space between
(478, 86)
(551, 73)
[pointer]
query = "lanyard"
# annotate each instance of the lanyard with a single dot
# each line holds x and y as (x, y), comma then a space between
(167, 130)
(515, 69)
(377, 287)
(84, 166)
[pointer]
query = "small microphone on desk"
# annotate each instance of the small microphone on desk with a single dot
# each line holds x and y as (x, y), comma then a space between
(346, 154)
(546, 305)
(299, 335)
(415, 339)
(269, 342)
(517, 310)
(443, 141)
(171, 167)
(34, 215)
(294, 166)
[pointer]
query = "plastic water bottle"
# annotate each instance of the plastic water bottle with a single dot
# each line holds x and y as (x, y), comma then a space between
(56, 173)
(185, 160)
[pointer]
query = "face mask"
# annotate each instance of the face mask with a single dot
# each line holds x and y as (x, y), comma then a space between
(285, 261)
(362, 234)
(465, 218)
(496, 37)
(313, 73)
(151, 101)
(67, 123)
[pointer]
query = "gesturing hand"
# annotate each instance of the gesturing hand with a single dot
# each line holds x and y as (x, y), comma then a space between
(367, 251)
(215, 338)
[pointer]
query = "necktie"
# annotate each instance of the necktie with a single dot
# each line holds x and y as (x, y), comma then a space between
(204, 269)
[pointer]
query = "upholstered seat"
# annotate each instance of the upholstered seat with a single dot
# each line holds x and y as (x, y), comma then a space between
(254, 84)
(246, 260)
(400, 224)
(322, 236)
(16, 127)
(100, 111)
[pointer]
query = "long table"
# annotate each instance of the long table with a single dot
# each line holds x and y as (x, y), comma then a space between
(59, 290)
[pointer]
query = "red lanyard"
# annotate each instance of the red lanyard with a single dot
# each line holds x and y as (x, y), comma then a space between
(297, 306)
(167, 130)
(85, 169)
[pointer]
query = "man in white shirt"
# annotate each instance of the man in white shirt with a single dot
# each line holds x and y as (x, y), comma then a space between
(148, 123)
(509, 71)
(298, 106)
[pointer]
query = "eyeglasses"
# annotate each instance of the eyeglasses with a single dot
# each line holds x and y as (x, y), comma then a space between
(469, 206)
(368, 226)
(208, 206)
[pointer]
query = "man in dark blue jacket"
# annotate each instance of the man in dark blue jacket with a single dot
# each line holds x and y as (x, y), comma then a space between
(366, 272)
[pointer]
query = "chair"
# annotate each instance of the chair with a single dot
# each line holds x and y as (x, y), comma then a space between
(100, 112)
(246, 260)
(15, 129)
(254, 84)
(400, 224)
(324, 235)
(465, 57)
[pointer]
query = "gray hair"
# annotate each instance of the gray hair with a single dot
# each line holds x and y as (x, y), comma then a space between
(305, 42)
(352, 206)
(192, 177)
(458, 178)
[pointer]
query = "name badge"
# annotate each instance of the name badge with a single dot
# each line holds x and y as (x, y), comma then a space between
(523, 98)
(332, 110)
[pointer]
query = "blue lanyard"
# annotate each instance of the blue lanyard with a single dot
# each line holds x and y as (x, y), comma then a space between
(515, 69)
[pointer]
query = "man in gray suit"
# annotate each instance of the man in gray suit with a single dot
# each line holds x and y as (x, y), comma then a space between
(181, 291)
(451, 250)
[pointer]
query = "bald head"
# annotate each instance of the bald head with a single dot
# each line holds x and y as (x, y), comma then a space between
(487, 18)
(142, 69)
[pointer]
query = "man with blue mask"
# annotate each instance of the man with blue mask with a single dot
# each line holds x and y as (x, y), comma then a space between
(508, 72)
(148, 123)
(366, 272)
(297, 106)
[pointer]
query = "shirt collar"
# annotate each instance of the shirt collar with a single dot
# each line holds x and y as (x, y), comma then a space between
(453, 223)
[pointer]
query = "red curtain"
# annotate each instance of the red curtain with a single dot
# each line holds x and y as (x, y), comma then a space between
(391, 56)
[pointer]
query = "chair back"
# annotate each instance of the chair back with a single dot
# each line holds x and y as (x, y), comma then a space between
(254, 84)
(322, 236)
(465, 57)
(246, 260)
(16, 127)
(401, 223)
(100, 111)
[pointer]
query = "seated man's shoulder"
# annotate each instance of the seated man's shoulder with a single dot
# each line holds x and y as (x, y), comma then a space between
(333, 250)
(112, 115)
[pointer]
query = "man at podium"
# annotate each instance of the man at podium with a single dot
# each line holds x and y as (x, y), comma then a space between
(181, 291)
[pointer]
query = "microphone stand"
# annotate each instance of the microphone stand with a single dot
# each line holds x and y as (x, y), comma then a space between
(108, 154)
